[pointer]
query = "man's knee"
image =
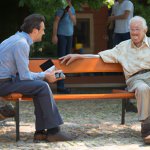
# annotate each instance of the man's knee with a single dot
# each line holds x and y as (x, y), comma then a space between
(44, 87)
(143, 88)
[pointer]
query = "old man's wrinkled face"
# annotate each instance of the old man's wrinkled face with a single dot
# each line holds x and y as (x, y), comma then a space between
(137, 33)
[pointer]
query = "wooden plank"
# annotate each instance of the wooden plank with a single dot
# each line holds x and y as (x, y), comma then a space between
(89, 96)
(13, 96)
(93, 96)
(94, 79)
(79, 66)
(94, 65)
(95, 85)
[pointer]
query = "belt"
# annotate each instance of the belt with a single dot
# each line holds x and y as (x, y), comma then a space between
(6, 79)
(140, 72)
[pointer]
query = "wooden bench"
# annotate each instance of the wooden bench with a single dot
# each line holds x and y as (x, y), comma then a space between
(88, 65)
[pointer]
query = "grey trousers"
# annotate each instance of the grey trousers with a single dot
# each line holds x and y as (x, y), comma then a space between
(140, 84)
(46, 112)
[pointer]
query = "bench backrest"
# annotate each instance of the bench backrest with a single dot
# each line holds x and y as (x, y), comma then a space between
(79, 66)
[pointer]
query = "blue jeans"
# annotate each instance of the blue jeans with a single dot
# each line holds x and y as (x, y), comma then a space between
(46, 113)
(119, 37)
(64, 47)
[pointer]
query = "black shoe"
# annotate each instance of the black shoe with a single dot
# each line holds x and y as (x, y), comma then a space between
(130, 107)
(63, 91)
(7, 111)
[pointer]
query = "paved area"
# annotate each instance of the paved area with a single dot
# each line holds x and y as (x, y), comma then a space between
(95, 125)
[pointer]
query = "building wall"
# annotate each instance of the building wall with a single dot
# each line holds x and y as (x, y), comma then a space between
(11, 17)
(99, 28)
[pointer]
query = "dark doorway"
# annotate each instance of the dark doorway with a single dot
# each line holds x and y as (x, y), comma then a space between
(11, 17)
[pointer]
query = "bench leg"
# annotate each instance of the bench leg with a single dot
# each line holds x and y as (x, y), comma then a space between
(17, 121)
(123, 111)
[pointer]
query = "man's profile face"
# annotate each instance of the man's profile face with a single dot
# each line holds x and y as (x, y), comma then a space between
(41, 32)
(137, 32)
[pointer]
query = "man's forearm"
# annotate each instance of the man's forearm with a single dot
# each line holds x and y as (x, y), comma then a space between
(90, 56)
(72, 17)
(123, 16)
(54, 29)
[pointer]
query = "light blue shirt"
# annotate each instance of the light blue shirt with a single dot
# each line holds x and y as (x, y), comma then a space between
(14, 58)
(65, 26)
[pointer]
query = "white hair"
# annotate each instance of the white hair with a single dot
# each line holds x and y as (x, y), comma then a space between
(139, 18)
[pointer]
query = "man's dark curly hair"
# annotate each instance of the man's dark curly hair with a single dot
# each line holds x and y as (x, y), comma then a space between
(31, 22)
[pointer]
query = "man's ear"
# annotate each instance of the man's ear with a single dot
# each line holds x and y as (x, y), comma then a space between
(145, 30)
(35, 31)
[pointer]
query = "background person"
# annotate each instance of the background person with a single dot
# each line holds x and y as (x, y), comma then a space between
(122, 12)
(133, 55)
(62, 35)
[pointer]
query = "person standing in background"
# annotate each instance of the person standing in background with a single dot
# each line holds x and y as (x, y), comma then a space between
(63, 28)
(122, 12)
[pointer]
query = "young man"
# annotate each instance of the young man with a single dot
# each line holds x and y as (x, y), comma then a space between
(15, 76)
(134, 56)
(63, 29)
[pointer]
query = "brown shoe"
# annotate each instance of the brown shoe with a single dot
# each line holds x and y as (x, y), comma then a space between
(7, 111)
(57, 137)
(147, 139)
(38, 137)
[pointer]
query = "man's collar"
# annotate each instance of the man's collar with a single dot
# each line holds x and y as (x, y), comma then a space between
(145, 41)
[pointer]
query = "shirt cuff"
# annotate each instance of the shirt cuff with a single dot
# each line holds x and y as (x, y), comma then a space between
(42, 75)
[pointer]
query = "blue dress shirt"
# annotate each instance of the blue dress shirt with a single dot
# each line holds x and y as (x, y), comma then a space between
(14, 58)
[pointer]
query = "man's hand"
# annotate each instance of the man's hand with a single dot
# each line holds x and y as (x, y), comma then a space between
(70, 58)
(110, 19)
(50, 76)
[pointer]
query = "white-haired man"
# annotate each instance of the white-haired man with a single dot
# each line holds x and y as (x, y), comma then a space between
(134, 56)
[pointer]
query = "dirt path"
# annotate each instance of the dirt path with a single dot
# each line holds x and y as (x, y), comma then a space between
(95, 125)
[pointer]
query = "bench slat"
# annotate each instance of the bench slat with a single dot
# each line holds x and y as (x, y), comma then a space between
(88, 65)
(13, 96)
(82, 65)
(89, 96)
(93, 96)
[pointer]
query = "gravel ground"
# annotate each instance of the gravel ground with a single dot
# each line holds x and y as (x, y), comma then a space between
(95, 125)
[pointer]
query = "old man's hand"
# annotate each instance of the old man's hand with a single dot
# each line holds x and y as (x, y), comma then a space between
(70, 58)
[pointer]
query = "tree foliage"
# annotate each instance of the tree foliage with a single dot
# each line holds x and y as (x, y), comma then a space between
(48, 7)
(142, 8)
